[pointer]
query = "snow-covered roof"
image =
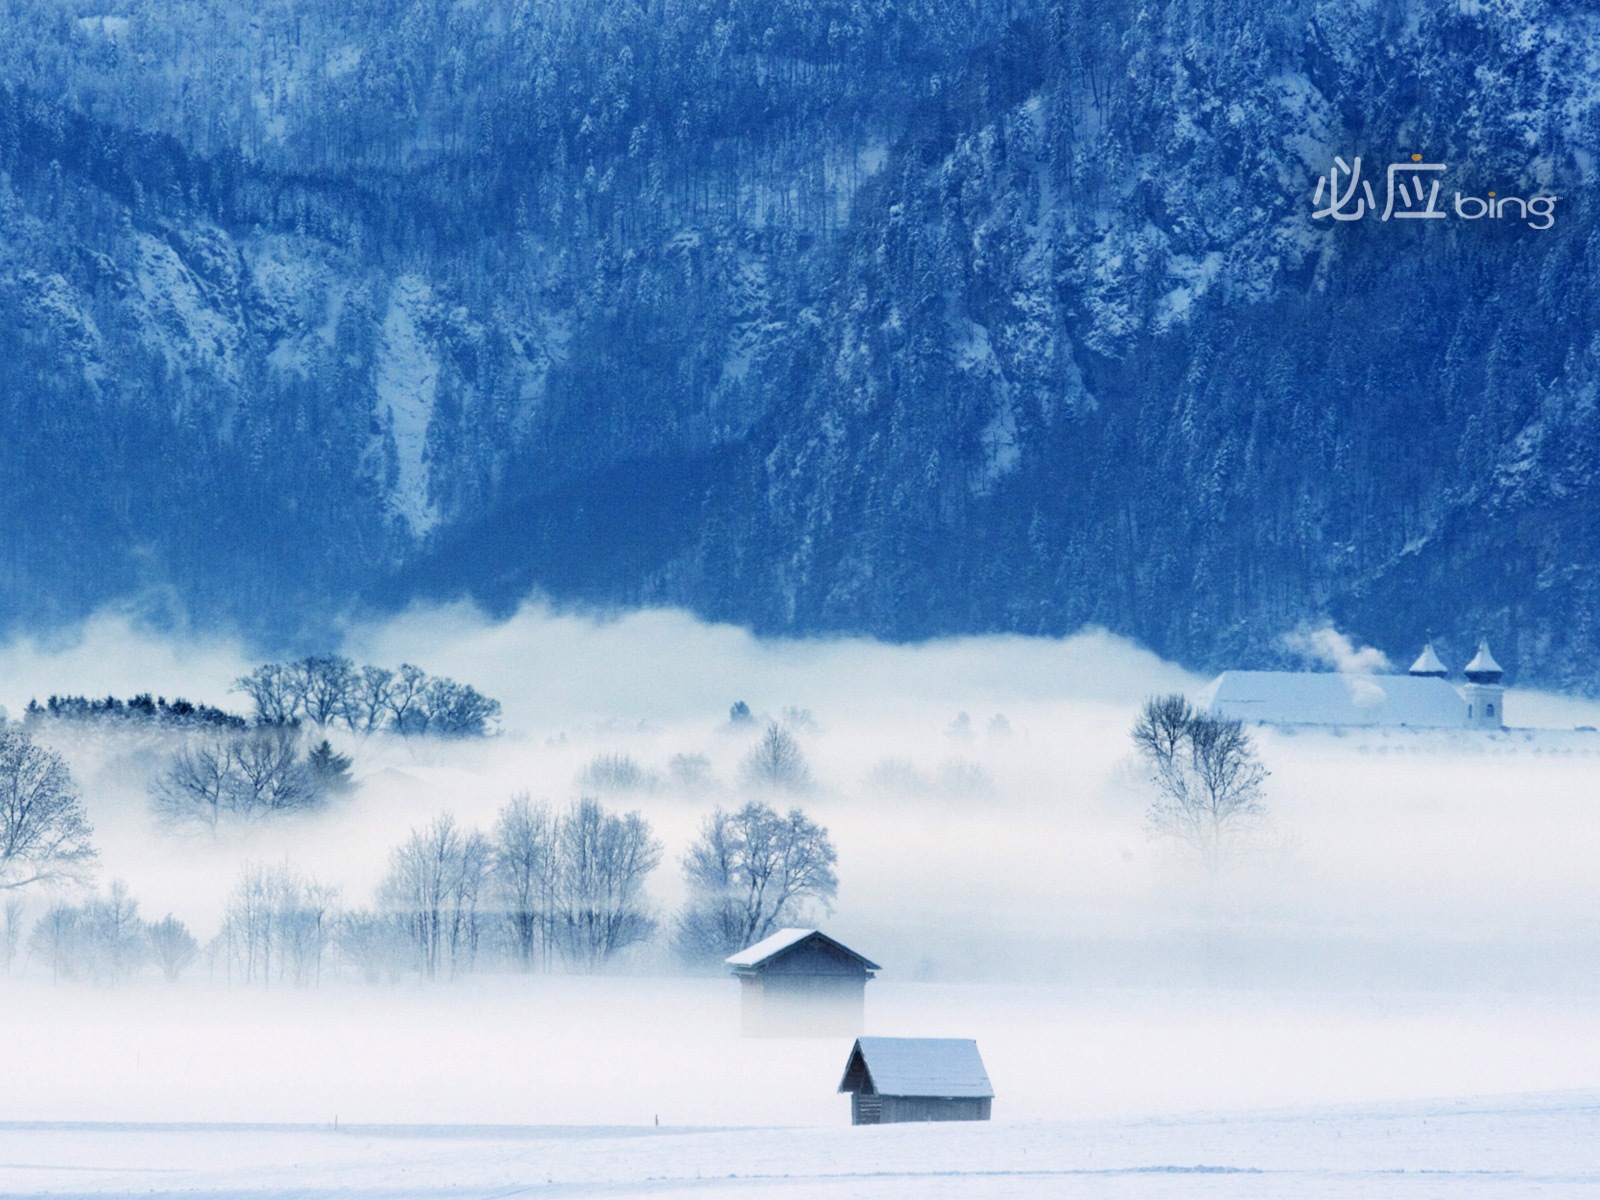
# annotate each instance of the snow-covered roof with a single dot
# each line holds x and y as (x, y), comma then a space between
(1334, 698)
(1428, 664)
(1483, 668)
(945, 1067)
(785, 939)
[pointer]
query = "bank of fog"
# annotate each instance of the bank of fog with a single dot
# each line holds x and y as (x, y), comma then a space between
(970, 809)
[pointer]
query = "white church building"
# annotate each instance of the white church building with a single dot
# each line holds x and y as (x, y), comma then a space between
(1423, 698)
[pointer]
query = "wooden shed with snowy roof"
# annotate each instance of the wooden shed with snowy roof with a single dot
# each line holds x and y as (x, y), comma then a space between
(801, 983)
(916, 1079)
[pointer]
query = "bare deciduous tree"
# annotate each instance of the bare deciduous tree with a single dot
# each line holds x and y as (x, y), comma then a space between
(197, 782)
(750, 873)
(434, 886)
(11, 913)
(604, 862)
(616, 772)
(458, 710)
(375, 943)
(44, 833)
(373, 687)
(173, 946)
(691, 772)
(329, 689)
(406, 712)
(1206, 775)
(246, 935)
(269, 775)
(776, 762)
(278, 690)
(525, 857)
(99, 941)
(54, 939)
(256, 773)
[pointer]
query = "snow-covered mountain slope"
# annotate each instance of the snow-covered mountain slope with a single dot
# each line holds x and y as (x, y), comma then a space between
(904, 319)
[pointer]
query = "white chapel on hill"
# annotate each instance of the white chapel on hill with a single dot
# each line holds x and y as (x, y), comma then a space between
(1422, 698)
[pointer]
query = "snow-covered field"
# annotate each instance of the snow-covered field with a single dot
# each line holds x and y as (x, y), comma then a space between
(554, 1086)
(1397, 993)
(1547, 1146)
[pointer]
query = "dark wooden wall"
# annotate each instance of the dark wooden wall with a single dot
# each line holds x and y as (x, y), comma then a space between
(869, 1109)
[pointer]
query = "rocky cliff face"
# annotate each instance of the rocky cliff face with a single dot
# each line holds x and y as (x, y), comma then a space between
(908, 320)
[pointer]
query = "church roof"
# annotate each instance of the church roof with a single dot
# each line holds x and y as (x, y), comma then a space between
(1428, 664)
(1483, 668)
(943, 1067)
(1335, 698)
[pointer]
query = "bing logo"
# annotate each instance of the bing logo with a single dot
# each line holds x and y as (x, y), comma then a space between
(1411, 192)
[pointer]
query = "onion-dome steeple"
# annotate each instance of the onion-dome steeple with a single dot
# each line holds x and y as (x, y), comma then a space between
(1483, 668)
(1428, 665)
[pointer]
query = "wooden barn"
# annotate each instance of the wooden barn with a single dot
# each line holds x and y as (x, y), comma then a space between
(801, 983)
(916, 1079)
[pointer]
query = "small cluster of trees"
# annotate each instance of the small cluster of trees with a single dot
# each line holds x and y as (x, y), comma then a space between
(1207, 779)
(278, 925)
(328, 690)
(614, 772)
(104, 940)
(142, 709)
(775, 763)
(252, 773)
(543, 885)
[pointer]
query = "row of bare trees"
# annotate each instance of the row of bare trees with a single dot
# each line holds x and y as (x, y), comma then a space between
(278, 926)
(549, 886)
(329, 690)
(104, 940)
(564, 886)
(543, 887)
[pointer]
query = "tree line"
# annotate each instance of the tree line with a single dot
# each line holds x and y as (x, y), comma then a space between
(329, 690)
(140, 709)
(325, 690)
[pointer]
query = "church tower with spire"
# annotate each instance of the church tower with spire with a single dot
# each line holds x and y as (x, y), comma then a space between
(1483, 692)
(1428, 665)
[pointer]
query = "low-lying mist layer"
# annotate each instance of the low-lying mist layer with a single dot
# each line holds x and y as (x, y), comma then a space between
(982, 793)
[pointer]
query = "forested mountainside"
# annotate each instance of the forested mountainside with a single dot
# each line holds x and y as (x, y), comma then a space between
(906, 319)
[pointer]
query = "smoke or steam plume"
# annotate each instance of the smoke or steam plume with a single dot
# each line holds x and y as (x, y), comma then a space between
(1328, 647)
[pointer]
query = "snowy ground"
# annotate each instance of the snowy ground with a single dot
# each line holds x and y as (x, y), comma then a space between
(1519, 1146)
(504, 1086)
